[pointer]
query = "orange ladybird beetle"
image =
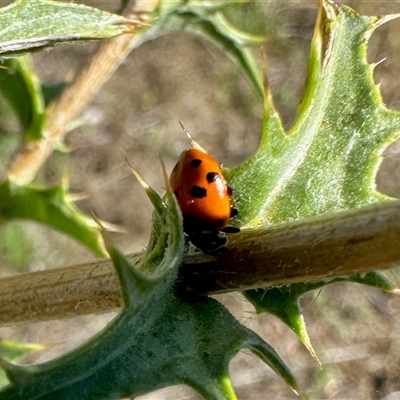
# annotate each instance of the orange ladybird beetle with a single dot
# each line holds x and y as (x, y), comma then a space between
(204, 197)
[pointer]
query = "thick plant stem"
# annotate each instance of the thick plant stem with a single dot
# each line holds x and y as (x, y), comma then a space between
(323, 247)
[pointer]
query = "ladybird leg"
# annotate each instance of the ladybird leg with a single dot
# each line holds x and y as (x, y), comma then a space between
(231, 229)
(234, 212)
(209, 242)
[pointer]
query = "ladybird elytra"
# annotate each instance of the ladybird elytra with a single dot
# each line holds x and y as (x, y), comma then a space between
(201, 191)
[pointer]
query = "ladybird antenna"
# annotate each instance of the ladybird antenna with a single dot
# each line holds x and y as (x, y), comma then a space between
(193, 143)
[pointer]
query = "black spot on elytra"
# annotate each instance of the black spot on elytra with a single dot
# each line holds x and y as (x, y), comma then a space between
(195, 163)
(212, 177)
(198, 192)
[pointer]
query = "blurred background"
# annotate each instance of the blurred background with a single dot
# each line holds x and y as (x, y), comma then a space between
(179, 77)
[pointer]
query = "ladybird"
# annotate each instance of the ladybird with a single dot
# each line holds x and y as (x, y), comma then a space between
(204, 197)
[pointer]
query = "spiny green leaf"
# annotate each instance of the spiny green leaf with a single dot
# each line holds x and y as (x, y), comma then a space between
(13, 351)
(327, 160)
(28, 25)
(21, 87)
(158, 339)
(49, 206)
(374, 279)
(162, 341)
(284, 302)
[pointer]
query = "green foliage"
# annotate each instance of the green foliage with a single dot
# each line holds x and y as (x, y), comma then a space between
(50, 206)
(28, 25)
(21, 87)
(16, 246)
(12, 351)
